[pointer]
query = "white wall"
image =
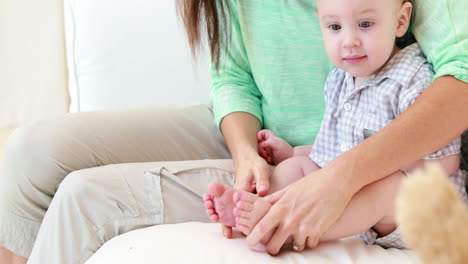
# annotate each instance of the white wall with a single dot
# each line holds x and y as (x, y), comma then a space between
(33, 78)
(128, 53)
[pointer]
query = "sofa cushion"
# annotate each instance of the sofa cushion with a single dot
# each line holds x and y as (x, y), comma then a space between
(196, 242)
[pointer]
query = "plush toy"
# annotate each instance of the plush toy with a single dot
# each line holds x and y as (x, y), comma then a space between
(433, 219)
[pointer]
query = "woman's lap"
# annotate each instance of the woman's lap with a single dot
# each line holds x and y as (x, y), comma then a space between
(94, 205)
(40, 156)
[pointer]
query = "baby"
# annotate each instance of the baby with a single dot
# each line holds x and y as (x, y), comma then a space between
(373, 83)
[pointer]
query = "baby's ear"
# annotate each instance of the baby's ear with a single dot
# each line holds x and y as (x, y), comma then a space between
(404, 18)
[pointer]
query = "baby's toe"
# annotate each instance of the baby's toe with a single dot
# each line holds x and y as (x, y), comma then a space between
(214, 218)
(241, 213)
(248, 197)
(209, 204)
(210, 212)
(244, 229)
(244, 206)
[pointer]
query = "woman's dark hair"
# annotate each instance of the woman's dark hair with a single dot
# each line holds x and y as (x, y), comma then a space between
(206, 18)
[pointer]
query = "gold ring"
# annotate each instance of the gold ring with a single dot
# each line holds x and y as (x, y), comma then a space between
(295, 247)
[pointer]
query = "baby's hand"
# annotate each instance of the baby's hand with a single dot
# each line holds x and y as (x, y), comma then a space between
(263, 149)
(272, 148)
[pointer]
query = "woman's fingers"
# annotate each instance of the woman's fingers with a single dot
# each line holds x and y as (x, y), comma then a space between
(244, 180)
(245, 185)
(262, 179)
(279, 238)
(299, 240)
(254, 174)
(303, 210)
(288, 222)
(269, 222)
(263, 227)
(274, 197)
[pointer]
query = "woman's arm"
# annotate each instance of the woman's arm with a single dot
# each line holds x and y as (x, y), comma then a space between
(236, 102)
(438, 116)
(240, 132)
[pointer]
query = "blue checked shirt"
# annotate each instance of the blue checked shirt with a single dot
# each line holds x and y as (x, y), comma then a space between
(353, 114)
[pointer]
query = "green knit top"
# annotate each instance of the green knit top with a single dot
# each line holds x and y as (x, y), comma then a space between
(277, 65)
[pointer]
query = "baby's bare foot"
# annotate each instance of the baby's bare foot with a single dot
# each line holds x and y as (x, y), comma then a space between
(236, 208)
(249, 210)
(219, 204)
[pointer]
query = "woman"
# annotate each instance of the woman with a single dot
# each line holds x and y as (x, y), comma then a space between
(270, 76)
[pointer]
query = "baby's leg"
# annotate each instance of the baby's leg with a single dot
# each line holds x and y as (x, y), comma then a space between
(372, 207)
(290, 171)
(248, 209)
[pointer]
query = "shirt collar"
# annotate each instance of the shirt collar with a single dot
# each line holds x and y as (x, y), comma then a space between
(407, 60)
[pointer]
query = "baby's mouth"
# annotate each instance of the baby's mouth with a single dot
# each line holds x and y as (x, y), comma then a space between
(353, 59)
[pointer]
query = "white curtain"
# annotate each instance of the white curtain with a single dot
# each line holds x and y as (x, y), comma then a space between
(33, 76)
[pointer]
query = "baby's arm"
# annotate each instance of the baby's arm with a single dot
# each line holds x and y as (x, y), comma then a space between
(272, 148)
(450, 164)
(275, 149)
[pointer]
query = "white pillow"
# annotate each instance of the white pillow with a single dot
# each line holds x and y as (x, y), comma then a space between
(124, 53)
(203, 243)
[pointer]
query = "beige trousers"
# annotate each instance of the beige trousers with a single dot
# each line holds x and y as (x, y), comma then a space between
(69, 185)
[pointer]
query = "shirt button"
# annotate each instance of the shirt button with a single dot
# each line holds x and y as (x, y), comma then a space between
(347, 106)
(344, 147)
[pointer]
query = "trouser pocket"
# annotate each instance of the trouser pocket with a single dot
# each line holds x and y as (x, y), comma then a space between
(180, 190)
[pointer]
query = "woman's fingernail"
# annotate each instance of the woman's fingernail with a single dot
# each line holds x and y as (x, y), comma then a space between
(262, 188)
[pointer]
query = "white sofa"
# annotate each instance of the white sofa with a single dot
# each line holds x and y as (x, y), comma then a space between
(124, 53)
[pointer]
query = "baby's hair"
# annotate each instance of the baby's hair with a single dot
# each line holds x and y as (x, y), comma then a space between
(402, 1)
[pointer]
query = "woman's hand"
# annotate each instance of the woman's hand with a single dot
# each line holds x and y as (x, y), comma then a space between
(272, 148)
(304, 210)
(252, 175)
(252, 171)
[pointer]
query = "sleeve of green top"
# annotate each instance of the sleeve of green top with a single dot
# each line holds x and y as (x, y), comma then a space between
(441, 29)
(233, 87)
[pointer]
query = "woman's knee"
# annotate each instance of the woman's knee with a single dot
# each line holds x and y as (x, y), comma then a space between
(38, 141)
(36, 159)
(20, 146)
(33, 152)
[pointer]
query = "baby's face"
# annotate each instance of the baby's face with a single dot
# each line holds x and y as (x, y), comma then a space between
(359, 35)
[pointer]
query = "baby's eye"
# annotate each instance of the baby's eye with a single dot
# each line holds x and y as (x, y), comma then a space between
(334, 27)
(365, 24)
